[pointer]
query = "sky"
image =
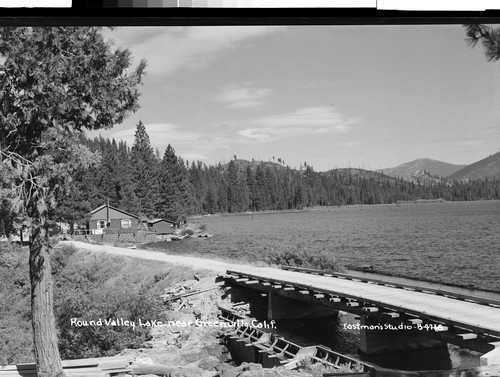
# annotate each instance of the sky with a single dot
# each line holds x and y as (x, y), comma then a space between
(361, 96)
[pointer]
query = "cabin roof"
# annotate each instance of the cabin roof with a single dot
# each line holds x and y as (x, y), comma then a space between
(111, 207)
(154, 221)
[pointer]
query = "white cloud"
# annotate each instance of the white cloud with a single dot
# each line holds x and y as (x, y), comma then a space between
(307, 121)
(242, 96)
(353, 144)
(190, 145)
(170, 49)
(160, 134)
(468, 143)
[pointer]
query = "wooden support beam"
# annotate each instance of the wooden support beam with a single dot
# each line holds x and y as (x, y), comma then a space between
(442, 329)
(241, 279)
(304, 292)
(468, 336)
(371, 309)
(391, 314)
(276, 286)
(415, 321)
(334, 299)
(289, 288)
(252, 282)
(352, 303)
(266, 284)
(319, 295)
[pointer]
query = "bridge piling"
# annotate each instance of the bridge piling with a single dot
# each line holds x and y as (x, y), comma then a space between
(374, 339)
(280, 307)
(492, 357)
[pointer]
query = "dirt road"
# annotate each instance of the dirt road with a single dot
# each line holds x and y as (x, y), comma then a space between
(215, 265)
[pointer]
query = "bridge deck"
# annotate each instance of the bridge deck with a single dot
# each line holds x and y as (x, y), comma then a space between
(473, 316)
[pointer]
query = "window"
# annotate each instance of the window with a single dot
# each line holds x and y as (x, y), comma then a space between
(101, 224)
(126, 223)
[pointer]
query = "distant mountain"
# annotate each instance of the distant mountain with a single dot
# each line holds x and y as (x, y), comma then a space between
(414, 168)
(487, 167)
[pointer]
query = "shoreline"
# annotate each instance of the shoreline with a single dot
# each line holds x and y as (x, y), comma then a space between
(316, 208)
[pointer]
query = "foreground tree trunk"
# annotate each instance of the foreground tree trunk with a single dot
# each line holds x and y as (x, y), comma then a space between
(48, 359)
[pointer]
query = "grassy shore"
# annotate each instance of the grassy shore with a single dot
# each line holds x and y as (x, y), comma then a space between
(87, 286)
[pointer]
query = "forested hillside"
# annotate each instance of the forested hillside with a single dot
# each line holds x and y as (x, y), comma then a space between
(144, 182)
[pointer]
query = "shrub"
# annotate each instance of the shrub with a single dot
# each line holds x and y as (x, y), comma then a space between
(59, 257)
(186, 232)
(104, 339)
(128, 295)
(16, 345)
(299, 257)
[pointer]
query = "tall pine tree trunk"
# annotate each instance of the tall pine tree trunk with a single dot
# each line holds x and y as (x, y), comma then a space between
(48, 359)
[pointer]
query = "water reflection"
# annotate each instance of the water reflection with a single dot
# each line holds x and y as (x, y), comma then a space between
(331, 333)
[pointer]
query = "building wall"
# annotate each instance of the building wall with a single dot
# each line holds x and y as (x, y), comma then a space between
(115, 219)
(163, 227)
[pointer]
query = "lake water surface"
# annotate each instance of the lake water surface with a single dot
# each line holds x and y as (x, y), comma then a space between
(449, 242)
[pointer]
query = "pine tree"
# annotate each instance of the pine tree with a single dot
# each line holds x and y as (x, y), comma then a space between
(173, 199)
(55, 82)
(233, 189)
(144, 172)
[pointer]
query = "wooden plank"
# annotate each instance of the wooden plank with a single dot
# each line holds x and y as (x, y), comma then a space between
(153, 369)
(391, 314)
(432, 308)
(442, 329)
(118, 370)
(415, 321)
(468, 336)
(73, 371)
(415, 287)
(190, 293)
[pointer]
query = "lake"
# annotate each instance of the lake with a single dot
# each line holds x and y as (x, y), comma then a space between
(449, 242)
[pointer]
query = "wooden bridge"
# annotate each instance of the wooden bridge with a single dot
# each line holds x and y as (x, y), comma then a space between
(469, 321)
(270, 350)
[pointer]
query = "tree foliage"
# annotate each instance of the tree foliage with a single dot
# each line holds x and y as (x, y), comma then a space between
(261, 186)
(489, 38)
(144, 172)
(54, 83)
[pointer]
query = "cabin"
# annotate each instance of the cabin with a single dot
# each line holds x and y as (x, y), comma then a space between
(161, 226)
(111, 218)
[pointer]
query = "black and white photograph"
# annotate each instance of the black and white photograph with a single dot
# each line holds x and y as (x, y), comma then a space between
(266, 199)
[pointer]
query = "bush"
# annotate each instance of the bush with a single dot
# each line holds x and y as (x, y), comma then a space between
(186, 232)
(16, 345)
(299, 257)
(86, 287)
(80, 296)
(60, 257)
(104, 306)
